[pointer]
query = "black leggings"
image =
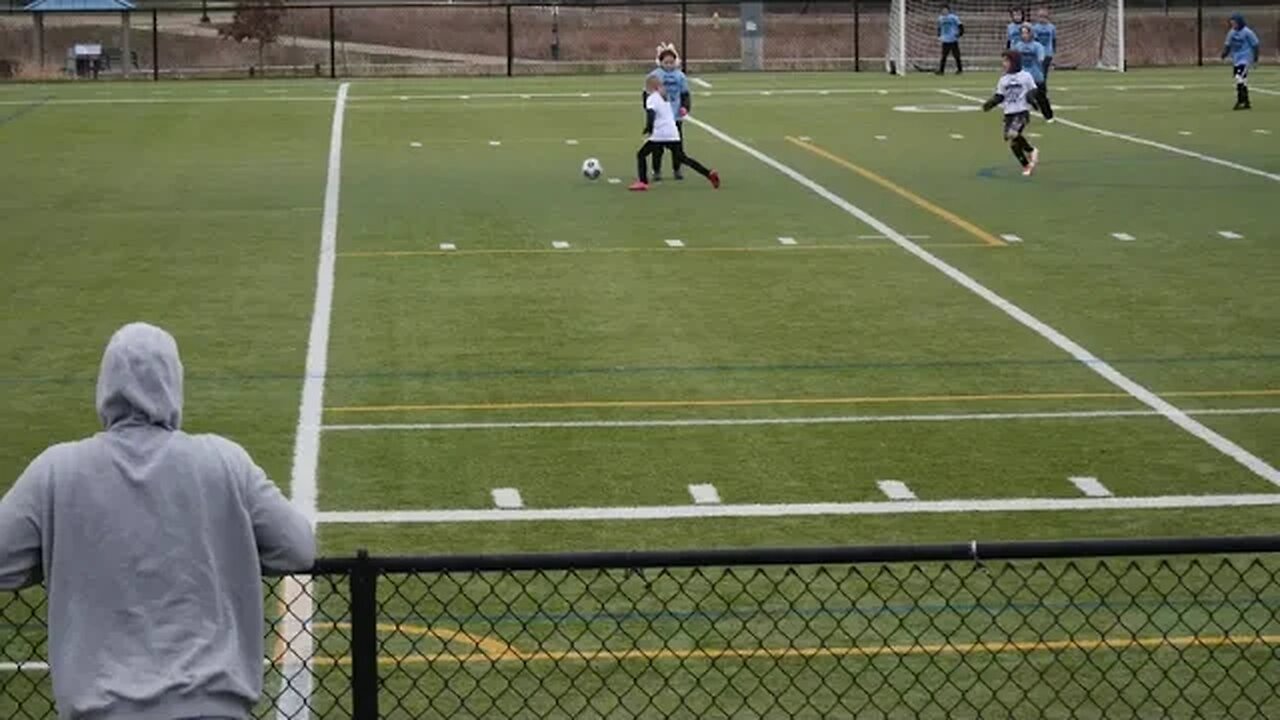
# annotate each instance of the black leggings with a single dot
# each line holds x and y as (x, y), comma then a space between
(657, 156)
(653, 147)
(950, 48)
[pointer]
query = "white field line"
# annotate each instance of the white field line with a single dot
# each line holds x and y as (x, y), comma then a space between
(704, 494)
(39, 666)
(295, 692)
(819, 420)
(1254, 463)
(1091, 487)
(1149, 143)
(700, 82)
(1264, 91)
(882, 507)
(896, 490)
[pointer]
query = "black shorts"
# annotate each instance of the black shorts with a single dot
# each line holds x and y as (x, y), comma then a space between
(1241, 74)
(1015, 123)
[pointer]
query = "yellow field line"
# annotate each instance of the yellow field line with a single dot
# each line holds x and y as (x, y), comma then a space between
(988, 647)
(755, 402)
(883, 182)
(597, 251)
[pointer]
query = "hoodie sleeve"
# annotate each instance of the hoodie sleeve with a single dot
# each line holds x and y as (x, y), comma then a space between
(20, 535)
(286, 541)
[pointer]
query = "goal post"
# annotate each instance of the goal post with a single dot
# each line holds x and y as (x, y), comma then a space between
(1090, 33)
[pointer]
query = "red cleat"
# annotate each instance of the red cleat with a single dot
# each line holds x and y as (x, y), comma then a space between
(638, 186)
(714, 177)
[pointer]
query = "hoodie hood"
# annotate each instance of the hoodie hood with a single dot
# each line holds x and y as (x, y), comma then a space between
(1237, 20)
(140, 382)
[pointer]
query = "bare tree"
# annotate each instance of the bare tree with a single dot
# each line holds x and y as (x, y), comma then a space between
(258, 20)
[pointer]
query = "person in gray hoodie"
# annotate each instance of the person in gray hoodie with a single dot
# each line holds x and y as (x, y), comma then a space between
(151, 543)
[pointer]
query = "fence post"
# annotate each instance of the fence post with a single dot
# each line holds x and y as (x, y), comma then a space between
(1199, 32)
(333, 45)
(364, 638)
(684, 36)
(511, 44)
(155, 45)
(857, 35)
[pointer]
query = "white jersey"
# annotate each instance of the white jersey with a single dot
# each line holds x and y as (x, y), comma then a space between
(1016, 88)
(664, 120)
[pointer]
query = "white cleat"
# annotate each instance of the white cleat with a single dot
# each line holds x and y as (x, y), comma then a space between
(1035, 160)
(1026, 171)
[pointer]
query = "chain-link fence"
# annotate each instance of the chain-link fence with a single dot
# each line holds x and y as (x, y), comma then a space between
(1101, 629)
(298, 39)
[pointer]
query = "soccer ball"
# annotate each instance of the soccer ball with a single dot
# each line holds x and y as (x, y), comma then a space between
(591, 169)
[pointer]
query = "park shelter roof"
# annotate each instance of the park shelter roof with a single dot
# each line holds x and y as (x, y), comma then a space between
(70, 6)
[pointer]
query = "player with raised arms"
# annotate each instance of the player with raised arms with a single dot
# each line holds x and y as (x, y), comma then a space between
(1014, 92)
(1242, 48)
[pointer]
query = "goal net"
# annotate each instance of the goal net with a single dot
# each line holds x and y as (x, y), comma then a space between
(1090, 33)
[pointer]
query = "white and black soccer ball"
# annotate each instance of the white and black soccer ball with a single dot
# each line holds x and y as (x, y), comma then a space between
(592, 169)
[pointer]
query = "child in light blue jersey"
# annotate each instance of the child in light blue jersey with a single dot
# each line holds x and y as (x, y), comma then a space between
(1046, 33)
(1013, 31)
(1032, 56)
(1242, 48)
(950, 29)
(676, 87)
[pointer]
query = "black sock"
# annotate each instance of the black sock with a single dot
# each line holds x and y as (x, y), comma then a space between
(1024, 144)
(1018, 153)
(1242, 94)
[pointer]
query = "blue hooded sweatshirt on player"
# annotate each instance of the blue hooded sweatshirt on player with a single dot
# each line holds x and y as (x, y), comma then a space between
(1242, 42)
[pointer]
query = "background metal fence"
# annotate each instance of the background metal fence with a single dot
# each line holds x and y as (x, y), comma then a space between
(513, 37)
(1098, 629)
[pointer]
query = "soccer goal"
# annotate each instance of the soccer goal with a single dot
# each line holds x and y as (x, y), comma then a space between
(1090, 33)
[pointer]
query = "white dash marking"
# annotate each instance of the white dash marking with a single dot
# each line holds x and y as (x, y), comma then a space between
(448, 246)
(786, 241)
(805, 138)
(882, 92)
(464, 97)
(704, 494)
(896, 490)
(1091, 487)
(824, 92)
(766, 92)
(615, 181)
(507, 498)
(404, 98)
(560, 245)
(415, 144)
(526, 97)
(1125, 237)
(1011, 238)
(957, 136)
(1261, 131)
(1230, 235)
(585, 95)
(1034, 135)
(570, 141)
(495, 143)
(675, 243)
(882, 137)
(1184, 132)
(700, 82)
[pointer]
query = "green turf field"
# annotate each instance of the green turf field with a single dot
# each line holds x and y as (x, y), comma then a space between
(499, 322)
(785, 375)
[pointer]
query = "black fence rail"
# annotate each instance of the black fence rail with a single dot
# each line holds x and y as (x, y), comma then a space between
(1099, 629)
(435, 37)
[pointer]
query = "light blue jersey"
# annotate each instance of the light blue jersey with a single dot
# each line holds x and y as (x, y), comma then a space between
(1013, 33)
(675, 83)
(1242, 45)
(1046, 34)
(949, 27)
(1032, 59)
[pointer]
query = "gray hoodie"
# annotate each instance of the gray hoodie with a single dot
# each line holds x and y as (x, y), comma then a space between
(151, 542)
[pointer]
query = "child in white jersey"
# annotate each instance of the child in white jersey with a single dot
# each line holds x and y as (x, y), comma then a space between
(1014, 93)
(660, 127)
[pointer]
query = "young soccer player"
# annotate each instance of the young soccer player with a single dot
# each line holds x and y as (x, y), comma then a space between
(1032, 61)
(1013, 92)
(1013, 31)
(660, 127)
(950, 30)
(676, 86)
(1046, 33)
(1242, 48)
